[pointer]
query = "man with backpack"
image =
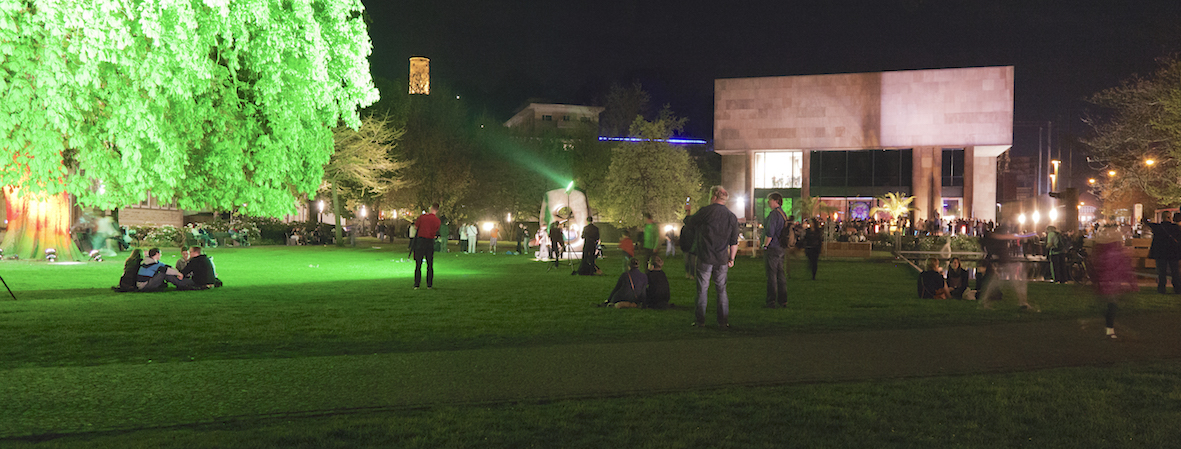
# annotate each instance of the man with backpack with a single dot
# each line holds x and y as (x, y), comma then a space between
(777, 234)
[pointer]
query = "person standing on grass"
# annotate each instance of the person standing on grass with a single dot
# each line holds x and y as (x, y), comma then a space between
(1166, 250)
(423, 246)
(629, 249)
(812, 241)
(716, 232)
(557, 241)
(522, 239)
(1056, 252)
(473, 235)
(648, 246)
(494, 235)
(590, 245)
(773, 253)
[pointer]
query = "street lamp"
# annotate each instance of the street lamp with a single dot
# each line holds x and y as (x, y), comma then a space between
(321, 211)
(1036, 217)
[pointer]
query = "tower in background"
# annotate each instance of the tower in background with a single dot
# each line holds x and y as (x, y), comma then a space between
(420, 76)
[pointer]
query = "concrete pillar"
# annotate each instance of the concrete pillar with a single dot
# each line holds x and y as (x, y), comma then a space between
(921, 186)
(805, 190)
(936, 182)
(980, 180)
(967, 208)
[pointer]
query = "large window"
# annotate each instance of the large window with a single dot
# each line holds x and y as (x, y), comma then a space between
(779, 169)
(861, 168)
(953, 167)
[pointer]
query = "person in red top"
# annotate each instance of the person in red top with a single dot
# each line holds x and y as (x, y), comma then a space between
(629, 249)
(424, 246)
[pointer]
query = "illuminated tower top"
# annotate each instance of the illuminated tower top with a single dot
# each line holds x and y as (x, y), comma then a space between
(420, 75)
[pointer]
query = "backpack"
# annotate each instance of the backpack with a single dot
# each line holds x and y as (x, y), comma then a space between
(688, 235)
(786, 236)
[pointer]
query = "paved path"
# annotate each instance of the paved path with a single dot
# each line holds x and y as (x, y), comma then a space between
(39, 401)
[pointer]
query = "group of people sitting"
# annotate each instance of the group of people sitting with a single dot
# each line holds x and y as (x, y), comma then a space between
(935, 284)
(193, 271)
(638, 289)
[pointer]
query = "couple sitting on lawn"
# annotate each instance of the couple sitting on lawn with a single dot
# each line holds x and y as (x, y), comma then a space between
(636, 289)
(147, 275)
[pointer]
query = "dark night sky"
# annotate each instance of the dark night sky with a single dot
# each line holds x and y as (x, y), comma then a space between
(501, 53)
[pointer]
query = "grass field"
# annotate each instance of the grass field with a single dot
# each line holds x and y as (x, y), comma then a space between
(290, 302)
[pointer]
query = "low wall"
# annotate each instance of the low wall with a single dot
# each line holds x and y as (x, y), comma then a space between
(847, 249)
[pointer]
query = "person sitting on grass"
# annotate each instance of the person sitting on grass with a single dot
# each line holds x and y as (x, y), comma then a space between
(184, 258)
(199, 271)
(931, 283)
(957, 278)
(130, 270)
(986, 274)
(152, 273)
(658, 292)
(630, 290)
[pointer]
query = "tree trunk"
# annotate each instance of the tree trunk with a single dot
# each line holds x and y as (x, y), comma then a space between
(336, 216)
(36, 224)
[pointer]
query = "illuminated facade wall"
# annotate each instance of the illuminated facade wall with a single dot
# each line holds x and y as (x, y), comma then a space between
(420, 76)
(759, 123)
(539, 116)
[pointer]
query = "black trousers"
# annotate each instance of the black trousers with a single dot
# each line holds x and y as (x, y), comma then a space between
(589, 254)
(776, 276)
(555, 252)
(424, 249)
(813, 259)
(1164, 269)
(1058, 267)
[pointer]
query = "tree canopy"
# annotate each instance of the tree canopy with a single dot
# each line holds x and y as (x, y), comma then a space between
(211, 103)
(650, 176)
(1139, 136)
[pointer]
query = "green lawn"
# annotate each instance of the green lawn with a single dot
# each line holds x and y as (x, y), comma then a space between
(306, 301)
(311, 301)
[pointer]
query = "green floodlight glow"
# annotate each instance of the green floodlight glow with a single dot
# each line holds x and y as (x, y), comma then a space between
(570, 187)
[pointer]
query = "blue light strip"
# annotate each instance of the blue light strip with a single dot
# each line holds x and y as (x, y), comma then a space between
(674, 141)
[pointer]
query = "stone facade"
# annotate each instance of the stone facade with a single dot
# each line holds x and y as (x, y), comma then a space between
(922, 110)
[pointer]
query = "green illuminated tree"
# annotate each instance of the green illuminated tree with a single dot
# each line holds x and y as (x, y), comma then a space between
(208, 103)
(1142, 124)
(362, 165)
(650, 176)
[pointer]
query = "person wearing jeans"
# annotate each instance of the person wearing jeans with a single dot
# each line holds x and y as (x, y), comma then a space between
(716, 231)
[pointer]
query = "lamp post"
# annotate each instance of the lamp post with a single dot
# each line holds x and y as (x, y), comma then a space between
(321, 215)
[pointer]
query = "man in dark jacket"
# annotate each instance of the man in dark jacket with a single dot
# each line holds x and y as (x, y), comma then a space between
(198, 272)
(590, 246)
(1166, 250)
(715, 229)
